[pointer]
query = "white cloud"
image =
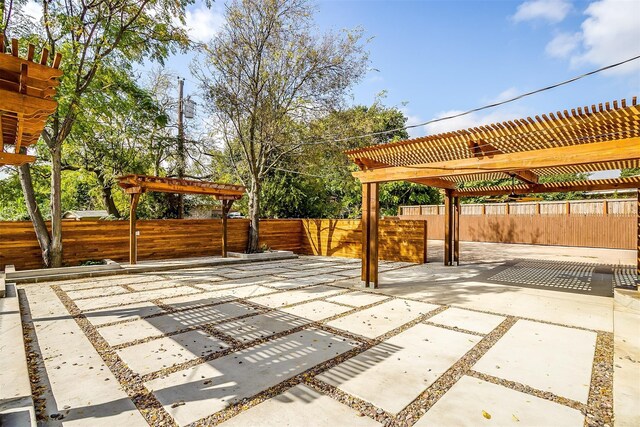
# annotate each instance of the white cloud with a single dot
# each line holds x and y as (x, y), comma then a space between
(202, 23)
(469, 120)
(611, 33)
(33, 10)
(553, 11)
(506, 94)
(563, 45)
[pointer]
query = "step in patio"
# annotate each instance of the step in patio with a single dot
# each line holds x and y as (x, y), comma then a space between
(16, 403)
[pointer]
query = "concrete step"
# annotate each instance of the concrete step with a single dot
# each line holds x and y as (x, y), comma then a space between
(16, 403)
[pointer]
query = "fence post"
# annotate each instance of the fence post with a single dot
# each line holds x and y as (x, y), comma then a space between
(568, 208)
(424, 231)
(605, 207)
(484, 209)
(506, 209)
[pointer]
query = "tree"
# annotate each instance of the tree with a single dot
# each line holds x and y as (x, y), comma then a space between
(88, 35)
(265, 74)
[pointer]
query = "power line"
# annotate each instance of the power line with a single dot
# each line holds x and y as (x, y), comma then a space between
(495, 104)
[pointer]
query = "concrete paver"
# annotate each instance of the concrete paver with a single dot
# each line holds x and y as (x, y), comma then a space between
(380, 319)
(162, 353)
(358, 299)
(285, 298)
(473, 321)
(127, 312)
(316, 310)
(467, 402)
(260, 326)
(172, 322)
(392, 374)
(300, 406)
(210, 387)
(546, 357)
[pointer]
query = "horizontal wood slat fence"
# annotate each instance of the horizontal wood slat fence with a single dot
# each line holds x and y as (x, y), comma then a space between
(622, 207)
(400, 240)
(162, 239)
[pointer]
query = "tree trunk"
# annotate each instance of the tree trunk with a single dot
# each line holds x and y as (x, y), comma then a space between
(42, 234)
(254, 215)
(55, 249)
(107, 196)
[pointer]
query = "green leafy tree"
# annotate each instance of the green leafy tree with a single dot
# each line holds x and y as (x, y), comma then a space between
(90, 35)
(265, 75)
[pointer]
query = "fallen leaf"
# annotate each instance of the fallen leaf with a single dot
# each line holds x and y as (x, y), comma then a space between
(486, 415)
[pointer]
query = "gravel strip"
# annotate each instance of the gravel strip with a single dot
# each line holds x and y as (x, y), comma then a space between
(599, 410)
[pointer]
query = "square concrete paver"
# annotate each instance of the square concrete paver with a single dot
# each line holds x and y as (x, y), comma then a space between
(316, 310)
(285, 298)
(260, 326)
(160, 325)
(208, 388)
(132, 298)
(473, 321)
(96, 292)
(464, 403)
(126, 312)
(547, 357)
(300, 406)
(358, 299)
(216, 296)
(164, 352)
(380, 319)
(392, 374)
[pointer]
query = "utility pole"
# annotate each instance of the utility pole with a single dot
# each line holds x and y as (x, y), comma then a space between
(181, 153)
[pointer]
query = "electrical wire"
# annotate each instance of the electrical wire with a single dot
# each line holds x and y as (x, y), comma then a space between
(493, 105)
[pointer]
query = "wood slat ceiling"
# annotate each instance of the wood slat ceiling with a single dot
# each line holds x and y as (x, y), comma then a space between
(607, 121)
(27, 88)
(143, 183)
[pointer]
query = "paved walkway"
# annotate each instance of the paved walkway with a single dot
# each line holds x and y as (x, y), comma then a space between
(297, 343)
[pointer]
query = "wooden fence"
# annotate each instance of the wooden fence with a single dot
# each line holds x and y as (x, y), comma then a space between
(618, 207)
(400, 240)
(162, 239)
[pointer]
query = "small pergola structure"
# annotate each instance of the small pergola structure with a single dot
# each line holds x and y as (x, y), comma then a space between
(135, 185)
(605, 137)
(27, 89)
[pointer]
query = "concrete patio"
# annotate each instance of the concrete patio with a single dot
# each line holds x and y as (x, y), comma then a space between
(516, 334)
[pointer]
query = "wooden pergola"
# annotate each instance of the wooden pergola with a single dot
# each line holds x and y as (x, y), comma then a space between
(27, 88)
(603, 137)
(135, 185)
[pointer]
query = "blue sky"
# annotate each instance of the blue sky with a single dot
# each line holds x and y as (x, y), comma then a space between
(441, 57)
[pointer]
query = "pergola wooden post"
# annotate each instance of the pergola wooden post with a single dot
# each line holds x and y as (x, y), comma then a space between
(582, 140)
(226, 207)
(456, 230)
(138, 184)
(370, 213)
(133, 235)
(448, 227)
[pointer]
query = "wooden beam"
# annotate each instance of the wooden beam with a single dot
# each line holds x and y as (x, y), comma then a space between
(552, 187)
(527, 177)
(435, 182)
(15, 159)
(597, 152)
(133, 237)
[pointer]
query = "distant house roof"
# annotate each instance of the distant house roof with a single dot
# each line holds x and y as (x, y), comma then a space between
(80, 215)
